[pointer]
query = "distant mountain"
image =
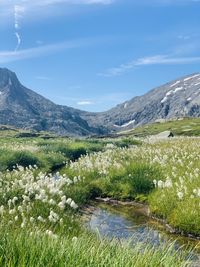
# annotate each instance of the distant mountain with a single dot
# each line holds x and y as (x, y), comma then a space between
(176, 99)
(23, 108)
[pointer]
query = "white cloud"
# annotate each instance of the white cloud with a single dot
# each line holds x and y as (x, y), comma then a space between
(85, 103)
(18, 13)
(167, 2)
(72, 2)
(145, 61)
(22, 4)
(165, 59)
(10, 56)
(37, 8)
(117, 71)
(19, 8)
(18, 41)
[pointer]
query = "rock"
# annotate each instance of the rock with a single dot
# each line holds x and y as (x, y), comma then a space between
(164, 135)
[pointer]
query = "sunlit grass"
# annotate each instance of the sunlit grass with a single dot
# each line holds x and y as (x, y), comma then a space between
(39, 218)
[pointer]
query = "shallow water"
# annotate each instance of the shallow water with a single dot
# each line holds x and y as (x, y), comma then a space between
(131, 223)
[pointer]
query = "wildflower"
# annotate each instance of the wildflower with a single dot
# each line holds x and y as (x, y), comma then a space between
(52, 202)
(180, 195)
(61, 205)
(2, 210)
(40, 219)
(11, 212)
(160, 184)
(154, 181)
(168, 183)
(22, 224)
(20, 209)
(74, 239)
(53, 217)
(69, 200)
(73, 205)
(15, 199)
(63, 199)
(32, 219)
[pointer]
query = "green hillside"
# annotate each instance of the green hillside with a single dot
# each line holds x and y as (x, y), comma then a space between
(184, 127)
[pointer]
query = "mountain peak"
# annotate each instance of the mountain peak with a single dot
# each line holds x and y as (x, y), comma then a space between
(23, 108)
(7, 78)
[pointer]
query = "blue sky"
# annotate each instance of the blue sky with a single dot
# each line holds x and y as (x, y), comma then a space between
(94, 54)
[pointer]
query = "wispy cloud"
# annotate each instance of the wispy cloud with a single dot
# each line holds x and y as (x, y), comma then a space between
(18, 13)
(18, 41)
(145, 61)
(30, 4)
(117, 71)
(19, 9)
(165, 59)
(10, 56)
(73, 2)
(85, 103)
(165, 2)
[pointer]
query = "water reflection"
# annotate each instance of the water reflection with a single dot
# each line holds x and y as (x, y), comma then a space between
(130, 223)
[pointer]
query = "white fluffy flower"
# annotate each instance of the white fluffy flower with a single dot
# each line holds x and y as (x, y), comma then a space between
(73, 205)
(180, 195)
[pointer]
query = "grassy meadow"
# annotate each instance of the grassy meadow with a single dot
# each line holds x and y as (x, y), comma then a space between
(45, 181)
(180, 127)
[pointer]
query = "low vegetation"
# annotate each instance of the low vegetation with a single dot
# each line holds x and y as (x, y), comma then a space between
(180, 127)
(39, 209)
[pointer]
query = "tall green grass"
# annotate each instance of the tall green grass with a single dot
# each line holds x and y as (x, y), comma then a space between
(19, 249)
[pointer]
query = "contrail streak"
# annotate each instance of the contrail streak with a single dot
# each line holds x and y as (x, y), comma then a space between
(18, 11)
(18, 41)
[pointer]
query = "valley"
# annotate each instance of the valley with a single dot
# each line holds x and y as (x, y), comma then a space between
(23, 108)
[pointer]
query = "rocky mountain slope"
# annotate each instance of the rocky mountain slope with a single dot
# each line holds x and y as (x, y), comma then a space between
(176, 99)
(23, 108)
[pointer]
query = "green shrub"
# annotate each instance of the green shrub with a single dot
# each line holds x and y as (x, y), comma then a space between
(162, 203)
(9, 159)
(127, 142)
(141, 178)
(52, 161)
(186, 216)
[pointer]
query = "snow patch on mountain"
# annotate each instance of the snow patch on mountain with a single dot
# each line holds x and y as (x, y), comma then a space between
(191, 77)
(178, 89)
(174, 84)
(169, 93)
(125, 124)
(164, 99)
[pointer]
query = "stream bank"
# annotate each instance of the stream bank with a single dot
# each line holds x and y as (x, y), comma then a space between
(132, 221)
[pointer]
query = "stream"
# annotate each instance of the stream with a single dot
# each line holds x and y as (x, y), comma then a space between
(129, 222)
